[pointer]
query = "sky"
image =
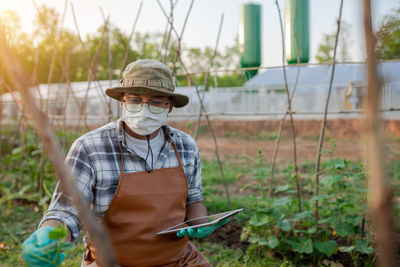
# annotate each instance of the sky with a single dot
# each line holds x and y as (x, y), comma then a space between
(202, 27)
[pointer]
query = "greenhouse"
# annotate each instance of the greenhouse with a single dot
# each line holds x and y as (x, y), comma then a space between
(263, 95)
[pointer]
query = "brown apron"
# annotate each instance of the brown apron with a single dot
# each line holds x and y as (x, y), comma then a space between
(144, 204)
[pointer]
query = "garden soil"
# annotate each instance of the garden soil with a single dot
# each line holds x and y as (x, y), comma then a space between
(238, 138)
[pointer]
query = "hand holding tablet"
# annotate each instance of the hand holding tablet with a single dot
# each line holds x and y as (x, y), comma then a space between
(215, 220)
(201, 232)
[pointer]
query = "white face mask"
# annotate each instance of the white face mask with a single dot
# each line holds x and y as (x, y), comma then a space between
(144, 122)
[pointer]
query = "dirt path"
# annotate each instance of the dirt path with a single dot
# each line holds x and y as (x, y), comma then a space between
(306, 148)
(347, 133)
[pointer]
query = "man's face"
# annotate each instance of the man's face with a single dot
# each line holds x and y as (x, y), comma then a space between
(156, 101)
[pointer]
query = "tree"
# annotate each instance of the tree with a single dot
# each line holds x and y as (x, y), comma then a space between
(388, 35)
(326, 47)
(199, 59)
(11, 23)
(51, 47)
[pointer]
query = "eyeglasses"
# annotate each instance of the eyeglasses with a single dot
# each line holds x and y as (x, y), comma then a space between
(155, 106)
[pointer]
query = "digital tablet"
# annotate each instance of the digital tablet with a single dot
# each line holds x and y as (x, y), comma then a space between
(200, 222)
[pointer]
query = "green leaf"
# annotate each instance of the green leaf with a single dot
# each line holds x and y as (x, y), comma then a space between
(304, 215)
(301, 245)
(16, 150)
(331, 179)
(344, 229)
(340, 164)
(291, 191)
(281, 188)
(259, 220)
(254, 239)
(326, 247)
(330, 220)
(24, 189)
(58, 233)
(285, 225)
(354, 219)
(271, 241)
(43, 200)
(346, 249)
(362, 246)
(320, 197)
(281, 202)
(312, 230)
(324, 151)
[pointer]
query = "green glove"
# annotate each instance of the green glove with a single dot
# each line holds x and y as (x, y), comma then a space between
(39, 250)
(201, 232)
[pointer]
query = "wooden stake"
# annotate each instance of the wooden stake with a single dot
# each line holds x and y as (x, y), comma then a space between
(380, 195)
(323, 124)
(67, 181)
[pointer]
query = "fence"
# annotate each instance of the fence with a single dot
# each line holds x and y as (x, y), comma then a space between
(233, 103)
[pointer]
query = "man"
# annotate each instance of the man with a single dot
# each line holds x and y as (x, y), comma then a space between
(140, 176)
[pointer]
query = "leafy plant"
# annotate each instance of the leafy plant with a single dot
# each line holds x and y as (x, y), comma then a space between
(27, 168)
(277, 227)
(59, 233)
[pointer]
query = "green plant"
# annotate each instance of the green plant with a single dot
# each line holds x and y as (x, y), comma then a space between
(277, 226)
(27, 169)
(59, 233)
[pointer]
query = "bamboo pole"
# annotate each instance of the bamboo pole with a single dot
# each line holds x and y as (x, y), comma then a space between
(165, 44)
(221, 169)
(289, 99)
(179, 36)
(323, 124)
(53, 58)
(127, 48)
(21, 83)
(109, 59)
(91, 65)
(288, 111)
(208, 75)
(178, 53)
(35, 82)
(380, 194)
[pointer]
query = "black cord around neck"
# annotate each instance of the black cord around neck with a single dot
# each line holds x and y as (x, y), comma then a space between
(146, 166)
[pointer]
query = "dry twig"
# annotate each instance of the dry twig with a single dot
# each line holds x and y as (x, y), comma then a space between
(127, 47)
(323, 124)
(205, 84)
(21, 83)
(91, 65)
(288, 111)
(178, 54)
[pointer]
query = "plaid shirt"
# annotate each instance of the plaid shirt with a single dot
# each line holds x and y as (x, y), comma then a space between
(95, 159)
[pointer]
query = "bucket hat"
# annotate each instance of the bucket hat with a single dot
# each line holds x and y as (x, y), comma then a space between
(146, 76)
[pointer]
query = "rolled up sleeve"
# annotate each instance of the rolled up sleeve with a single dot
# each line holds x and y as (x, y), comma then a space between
(61, 207)
(195, 192)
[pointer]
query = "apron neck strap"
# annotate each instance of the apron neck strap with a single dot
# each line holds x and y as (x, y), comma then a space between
(122, 156)
(176, 154)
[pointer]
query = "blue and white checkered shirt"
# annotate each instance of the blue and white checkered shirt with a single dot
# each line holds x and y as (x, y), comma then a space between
(95, 160)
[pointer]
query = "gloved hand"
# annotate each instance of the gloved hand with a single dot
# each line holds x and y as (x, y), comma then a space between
(201, 232)
(39, 250)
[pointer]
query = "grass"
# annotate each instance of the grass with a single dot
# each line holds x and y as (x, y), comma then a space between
(260, 136)
(233, 171)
